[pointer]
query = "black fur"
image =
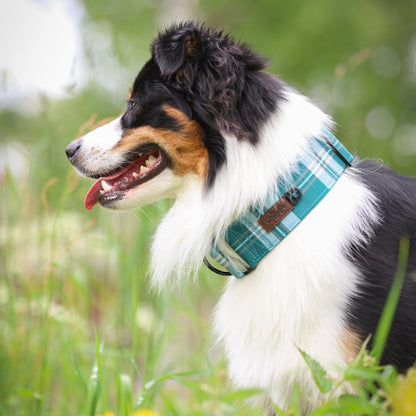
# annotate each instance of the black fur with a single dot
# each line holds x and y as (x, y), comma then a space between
(149, 95)
(220, 78)
(378, 261)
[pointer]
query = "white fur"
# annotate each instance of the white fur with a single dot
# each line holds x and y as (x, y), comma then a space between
(298, 294)
(105, 137)
(95, 147)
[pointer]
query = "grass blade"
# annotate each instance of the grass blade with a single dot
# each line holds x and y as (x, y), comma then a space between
(124, 389)
(387, 316)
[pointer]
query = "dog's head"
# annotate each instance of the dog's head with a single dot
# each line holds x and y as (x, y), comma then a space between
(198, 85)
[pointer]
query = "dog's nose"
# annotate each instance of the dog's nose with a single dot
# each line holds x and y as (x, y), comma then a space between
(73, 148)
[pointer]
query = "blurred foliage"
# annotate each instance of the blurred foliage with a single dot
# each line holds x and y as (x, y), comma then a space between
(67, 274)
(403, 397)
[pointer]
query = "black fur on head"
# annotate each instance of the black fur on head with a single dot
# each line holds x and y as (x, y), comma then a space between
(220, 78)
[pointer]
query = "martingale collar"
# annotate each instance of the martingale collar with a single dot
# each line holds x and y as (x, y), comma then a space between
(253, 235)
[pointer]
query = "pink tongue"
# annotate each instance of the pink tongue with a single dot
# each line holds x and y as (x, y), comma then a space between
(92, 195)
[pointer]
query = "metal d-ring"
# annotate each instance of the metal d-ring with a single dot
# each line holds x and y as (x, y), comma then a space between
(214, 269)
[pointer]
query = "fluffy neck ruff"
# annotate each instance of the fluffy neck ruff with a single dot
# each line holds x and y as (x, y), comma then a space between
(198, 216)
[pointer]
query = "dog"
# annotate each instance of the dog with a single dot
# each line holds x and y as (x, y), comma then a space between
(206, 125)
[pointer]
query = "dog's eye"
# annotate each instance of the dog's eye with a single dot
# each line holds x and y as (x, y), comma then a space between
(131, 105)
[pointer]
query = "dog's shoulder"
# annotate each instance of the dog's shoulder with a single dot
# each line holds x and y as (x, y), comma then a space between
(378, 260)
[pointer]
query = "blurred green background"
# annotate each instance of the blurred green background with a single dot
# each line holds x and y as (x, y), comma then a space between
(70, 279)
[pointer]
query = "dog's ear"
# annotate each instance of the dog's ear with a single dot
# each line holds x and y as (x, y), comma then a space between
(172, 51)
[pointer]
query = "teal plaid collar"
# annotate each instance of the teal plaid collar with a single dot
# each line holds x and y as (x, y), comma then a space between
(253, 235)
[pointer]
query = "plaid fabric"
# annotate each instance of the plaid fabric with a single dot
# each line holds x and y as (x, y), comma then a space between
(315, 174)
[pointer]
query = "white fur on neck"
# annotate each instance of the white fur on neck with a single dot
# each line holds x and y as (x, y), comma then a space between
(198, 216)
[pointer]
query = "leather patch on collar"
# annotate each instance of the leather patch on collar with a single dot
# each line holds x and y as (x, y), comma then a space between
(275, 214)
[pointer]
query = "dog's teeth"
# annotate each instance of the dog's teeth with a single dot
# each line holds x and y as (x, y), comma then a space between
(150, 160)
(102, 191)
(142, 169)
(105, 185)
(135, 175)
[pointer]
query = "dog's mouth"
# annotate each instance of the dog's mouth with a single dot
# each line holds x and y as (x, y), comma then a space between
(107, 189)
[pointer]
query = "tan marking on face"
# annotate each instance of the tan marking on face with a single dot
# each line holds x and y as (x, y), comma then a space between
(184, 147)
(350, 344)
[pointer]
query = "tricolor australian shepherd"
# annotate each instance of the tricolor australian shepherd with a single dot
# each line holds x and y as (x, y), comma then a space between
(206, 125)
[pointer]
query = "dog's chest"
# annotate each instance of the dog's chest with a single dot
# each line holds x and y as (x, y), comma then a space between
(262, 327)
(296, 298)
